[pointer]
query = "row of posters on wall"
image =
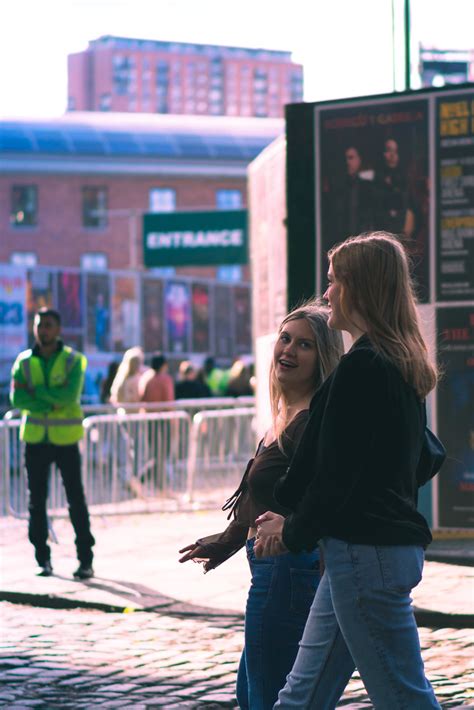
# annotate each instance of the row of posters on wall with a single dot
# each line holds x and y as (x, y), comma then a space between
(108, 313)
(405, 166)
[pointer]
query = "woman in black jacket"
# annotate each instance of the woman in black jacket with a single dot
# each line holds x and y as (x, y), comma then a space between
(352, 486)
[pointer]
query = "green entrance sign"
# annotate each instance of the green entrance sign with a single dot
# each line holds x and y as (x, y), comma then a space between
(195, 238)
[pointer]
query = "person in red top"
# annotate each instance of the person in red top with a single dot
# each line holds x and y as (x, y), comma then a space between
(156, 385)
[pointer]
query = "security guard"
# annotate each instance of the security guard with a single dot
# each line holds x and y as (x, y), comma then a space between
(46, 385)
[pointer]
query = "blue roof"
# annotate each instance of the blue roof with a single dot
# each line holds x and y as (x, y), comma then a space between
(157, 140)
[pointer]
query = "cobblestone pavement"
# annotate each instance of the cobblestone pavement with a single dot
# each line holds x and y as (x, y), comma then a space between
(87, 659)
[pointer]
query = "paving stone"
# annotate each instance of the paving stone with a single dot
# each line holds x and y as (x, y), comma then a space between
(168, 701)
(218, 698)
(121, 687)
(23, 671)
(186, 665)
(15, 662)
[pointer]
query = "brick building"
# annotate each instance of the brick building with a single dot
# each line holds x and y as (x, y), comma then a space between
(138, 75)
(73, 191)
(76, 186)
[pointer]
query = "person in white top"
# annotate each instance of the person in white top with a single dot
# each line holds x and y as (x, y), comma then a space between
(125, 389)
(125, 385)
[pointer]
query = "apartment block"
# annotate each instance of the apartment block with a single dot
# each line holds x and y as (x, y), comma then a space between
(148, 76)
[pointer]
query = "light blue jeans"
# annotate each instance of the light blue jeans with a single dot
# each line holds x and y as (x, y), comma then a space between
(362, 617)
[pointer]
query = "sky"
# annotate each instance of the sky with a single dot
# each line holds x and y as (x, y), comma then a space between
(345, 46)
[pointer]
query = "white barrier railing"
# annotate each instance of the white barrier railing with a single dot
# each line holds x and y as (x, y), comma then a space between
(221, 443)
(192, 406)
(187, 405)
(130, 456)
(146, 456)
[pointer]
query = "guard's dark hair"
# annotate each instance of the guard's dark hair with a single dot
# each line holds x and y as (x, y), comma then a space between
(45, 311)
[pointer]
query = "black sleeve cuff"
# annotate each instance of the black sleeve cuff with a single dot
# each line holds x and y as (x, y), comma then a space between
(294, 541)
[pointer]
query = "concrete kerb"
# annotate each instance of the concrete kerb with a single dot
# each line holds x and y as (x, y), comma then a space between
(426, 618)
(171, 608)
(455, 547)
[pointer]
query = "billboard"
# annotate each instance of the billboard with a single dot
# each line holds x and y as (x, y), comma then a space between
(374, 175)
(224, 321)
(195, 238)
(69, 299)
(177, 316)
(40, 293)
(243, 326)
(125, 326)
(13, 317)
(201, 319)
(455, 213)
(98, 312)
(455, 406)
(152, 315)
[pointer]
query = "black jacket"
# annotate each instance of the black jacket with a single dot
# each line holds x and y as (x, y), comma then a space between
(353, 475)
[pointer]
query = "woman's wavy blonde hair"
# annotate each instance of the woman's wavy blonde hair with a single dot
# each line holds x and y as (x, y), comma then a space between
(329, 350)
(131, 363)
(374, 272)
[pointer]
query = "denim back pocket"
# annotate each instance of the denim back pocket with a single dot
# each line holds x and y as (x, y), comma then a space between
(304, 583)
(401, 566)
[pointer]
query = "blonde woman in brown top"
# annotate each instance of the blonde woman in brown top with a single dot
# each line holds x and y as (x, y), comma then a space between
(282, 587)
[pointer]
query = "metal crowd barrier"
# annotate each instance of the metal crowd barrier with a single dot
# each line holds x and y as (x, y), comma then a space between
(148, 456)
(221, 444)
(192, 406)
(135, 456)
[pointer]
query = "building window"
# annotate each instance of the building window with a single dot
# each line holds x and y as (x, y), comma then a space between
(24, 258)
(94, 206)
(24, 205)
(228, 199)
(162, 199)
(122, 74)
(105, 102)
(94, 261)
(229, 274)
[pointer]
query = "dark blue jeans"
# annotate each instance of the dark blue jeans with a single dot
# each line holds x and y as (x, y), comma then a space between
(38, 460)
(280, 596)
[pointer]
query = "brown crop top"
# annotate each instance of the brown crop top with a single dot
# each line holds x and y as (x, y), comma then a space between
(254, 496)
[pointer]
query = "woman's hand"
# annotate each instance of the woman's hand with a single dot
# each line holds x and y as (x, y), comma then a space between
(193, 552)
(268, 541)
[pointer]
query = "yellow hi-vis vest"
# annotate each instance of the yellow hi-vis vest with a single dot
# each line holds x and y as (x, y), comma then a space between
(62, 425)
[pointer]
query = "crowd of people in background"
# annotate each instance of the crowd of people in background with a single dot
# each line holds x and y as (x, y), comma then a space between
(132, 380)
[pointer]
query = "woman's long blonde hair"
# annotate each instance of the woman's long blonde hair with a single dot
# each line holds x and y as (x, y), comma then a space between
(374, 272)
(132, 361)
(329, 350)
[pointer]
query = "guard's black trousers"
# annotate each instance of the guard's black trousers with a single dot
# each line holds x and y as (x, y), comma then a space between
(38, 459)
